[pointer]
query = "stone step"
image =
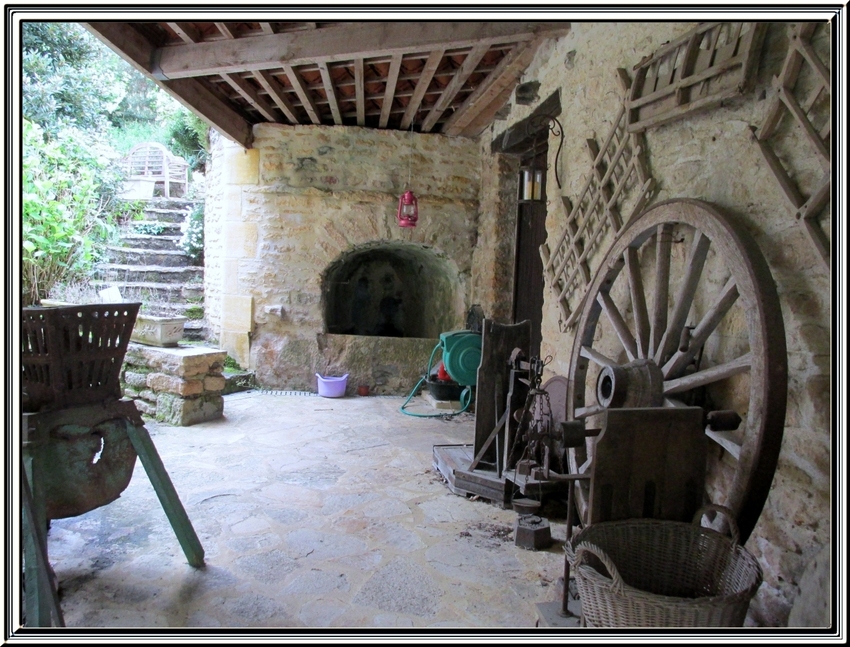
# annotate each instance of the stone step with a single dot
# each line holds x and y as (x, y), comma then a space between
(149, 274)
(150, 292)
(166, 215)
(155, 228)
(150, 241)
(195, 330)
(140, 256)
(171, 203)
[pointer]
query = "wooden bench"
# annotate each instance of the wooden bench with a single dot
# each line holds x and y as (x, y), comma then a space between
(151, 160)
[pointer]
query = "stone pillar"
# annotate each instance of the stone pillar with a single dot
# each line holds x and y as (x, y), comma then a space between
(178, 386)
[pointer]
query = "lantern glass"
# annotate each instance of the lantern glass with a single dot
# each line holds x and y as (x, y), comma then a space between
(408, 209)
(537, 186)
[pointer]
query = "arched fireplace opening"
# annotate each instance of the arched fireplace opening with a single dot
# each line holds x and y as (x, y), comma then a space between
(391, 290)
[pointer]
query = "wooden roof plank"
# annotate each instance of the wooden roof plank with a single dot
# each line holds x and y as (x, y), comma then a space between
(250, 95)
(342, 42)
(193, 94)
(303, 94)
(506, 74)
(467, 67)
(330, 92)
(224, 29)
(359, 92)
(187, 32)
(389, 91)
(276, 92)
(422, 84)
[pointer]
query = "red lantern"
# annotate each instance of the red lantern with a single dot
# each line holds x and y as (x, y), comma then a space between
(408, 210)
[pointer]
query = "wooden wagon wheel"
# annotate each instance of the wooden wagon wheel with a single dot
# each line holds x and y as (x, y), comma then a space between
(710, 334)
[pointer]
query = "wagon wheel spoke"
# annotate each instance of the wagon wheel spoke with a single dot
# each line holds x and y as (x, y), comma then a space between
(708, 375)
(712, 318)
(596, 357)
(638, 297)
(619, 324)
(663, 243)
(684, 297)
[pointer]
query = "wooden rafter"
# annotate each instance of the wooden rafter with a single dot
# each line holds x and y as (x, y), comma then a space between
(467, 67)
(359, 92)
(330, 92)
(250, 95)
(422, 84)
(267, 28)
(303, 94)
(505, 75)
(389, 90)
(186, 31)
(224, 29)
(276, 92)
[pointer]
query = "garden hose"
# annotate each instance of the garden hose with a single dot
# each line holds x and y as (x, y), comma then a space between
(465, 396)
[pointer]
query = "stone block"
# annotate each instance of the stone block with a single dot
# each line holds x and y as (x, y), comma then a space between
(160, 383)
(214, 383)
(237, 313)
(145, 408)
(230, 276)
(138, 380)
(238, 346)
(240, 240)
(241, 166)
(182, 412)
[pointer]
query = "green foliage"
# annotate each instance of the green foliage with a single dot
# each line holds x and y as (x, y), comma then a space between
(148, 228)
(63, 224)
(194, 312)
(188, 137)
(125, 211)
(231, 364)
(192, 241)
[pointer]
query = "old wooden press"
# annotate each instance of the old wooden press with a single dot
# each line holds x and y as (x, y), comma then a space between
(79, 438)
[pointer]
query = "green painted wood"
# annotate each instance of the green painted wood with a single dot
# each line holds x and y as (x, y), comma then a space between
(36, 550)
(168, 497)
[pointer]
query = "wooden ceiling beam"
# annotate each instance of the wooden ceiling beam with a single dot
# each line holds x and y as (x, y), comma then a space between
(389, 91)
(330, 93)
(359, 92)
(267, 28)
(303, 94)
(276, 92)
(250, 95)
(341, 42)
(186, 31)
(422, 84)
(507, 73)
(224, 29)
(467, 67)
(194, 95)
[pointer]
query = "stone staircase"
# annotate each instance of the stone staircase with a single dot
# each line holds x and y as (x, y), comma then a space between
(149, 266)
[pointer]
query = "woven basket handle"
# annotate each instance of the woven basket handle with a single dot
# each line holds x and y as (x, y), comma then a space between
(584, 547)
(726, 512)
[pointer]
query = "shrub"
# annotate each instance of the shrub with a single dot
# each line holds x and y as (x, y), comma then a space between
(192, 241)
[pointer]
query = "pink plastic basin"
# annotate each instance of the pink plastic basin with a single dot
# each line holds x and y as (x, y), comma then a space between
(332, 387)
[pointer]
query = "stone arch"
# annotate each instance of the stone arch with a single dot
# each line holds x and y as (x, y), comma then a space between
(391, 289)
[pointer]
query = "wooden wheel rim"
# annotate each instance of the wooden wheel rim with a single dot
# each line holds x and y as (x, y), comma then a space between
(767, 359)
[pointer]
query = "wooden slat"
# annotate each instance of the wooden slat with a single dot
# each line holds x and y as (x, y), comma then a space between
(422, 84)
(359, 92)
(303, 94)
(267, 28)
(330, 92)
(708, 375)
(618, 323)
(798, 114)
(224, 29)
(250, 95)
(663, 242)
(344, 42)
(389, 90)
(506, 74)
(638, 296)
(187, 31)
(276, 92)
(467, 67)
(596, 357)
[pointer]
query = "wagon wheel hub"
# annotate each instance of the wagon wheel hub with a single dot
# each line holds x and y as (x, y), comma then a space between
(640, 383)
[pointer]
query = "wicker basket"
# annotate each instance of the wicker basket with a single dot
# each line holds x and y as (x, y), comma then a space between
(72, 355)
(663, 574)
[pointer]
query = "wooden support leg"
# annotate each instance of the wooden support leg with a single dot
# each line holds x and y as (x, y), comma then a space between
(44, 598)
(164, 488)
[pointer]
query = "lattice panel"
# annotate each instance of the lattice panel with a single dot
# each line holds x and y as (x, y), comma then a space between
(802, 92)
(617, 185)
(711, 63)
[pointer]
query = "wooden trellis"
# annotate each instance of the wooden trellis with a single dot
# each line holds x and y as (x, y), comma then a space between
(808, 104)
(618, 183)
(713, 62)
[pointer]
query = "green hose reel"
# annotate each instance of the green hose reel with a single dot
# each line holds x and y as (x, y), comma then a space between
(461, 355)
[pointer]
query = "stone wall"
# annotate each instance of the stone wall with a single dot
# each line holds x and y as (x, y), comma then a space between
(301, 199)
(711, 156)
